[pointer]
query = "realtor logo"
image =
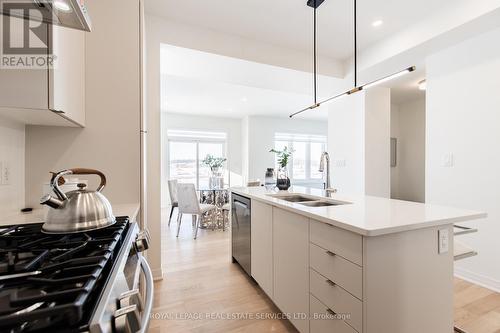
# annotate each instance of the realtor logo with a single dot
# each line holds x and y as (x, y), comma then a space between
(25, 43)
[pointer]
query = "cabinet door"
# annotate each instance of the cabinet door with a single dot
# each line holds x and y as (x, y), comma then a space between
(23, 88)
(291, 266)
(67, 77)
(262, 246)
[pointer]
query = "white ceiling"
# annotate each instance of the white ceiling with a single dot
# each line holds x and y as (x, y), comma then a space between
(405, 88)
(288, 23)
(215, 98)
(196, 82)
(200, 83)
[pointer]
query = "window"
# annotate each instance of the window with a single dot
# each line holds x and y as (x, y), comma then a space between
(186, 151)
(304, 164)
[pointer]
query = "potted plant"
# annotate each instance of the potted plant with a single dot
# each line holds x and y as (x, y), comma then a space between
(283, 181)
(215, 164)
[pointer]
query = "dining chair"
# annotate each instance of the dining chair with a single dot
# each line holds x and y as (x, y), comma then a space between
(172, 190)
(190, 205)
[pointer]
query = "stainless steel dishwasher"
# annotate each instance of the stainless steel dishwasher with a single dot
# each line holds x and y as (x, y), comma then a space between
(241, 231)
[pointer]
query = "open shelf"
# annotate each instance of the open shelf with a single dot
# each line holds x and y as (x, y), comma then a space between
(461, 251)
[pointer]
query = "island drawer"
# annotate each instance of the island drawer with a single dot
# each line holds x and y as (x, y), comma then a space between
(337, 299)
(339, 270)
(341, 242)
(320, 321)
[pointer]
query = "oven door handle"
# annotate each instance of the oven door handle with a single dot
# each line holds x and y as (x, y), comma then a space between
(149, 289)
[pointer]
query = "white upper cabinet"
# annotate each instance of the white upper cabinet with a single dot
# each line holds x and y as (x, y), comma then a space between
(21, 88)
(67, 78)
(46, 95)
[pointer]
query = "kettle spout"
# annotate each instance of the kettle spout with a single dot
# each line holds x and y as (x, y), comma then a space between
(51, 201)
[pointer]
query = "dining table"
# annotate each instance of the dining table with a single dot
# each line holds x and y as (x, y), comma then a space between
(217, 196)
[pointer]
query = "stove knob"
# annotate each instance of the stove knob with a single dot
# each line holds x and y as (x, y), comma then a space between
(131, 297)
(127, 320)
(142, 241)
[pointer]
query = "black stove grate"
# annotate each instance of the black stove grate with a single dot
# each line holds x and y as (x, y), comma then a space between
(68, 275)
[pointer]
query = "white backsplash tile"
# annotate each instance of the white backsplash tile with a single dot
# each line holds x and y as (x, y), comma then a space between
(12, 156)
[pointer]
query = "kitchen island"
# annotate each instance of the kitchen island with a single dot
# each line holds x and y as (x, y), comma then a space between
(352, 264)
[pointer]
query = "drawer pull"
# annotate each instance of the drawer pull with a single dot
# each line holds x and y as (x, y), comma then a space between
(330, 253)
(331, 283)
(331, 312)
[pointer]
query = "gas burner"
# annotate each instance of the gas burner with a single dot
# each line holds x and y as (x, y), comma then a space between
(54, 280)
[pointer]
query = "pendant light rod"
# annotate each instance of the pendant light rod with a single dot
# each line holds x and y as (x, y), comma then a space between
(369, 84)
(315, 4)
(356, 89)
(314, 56)
(355, 44)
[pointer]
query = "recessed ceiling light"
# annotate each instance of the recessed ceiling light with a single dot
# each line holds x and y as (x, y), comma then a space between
(422, 85)
(244, 99)
(62, 5)
(377, 23)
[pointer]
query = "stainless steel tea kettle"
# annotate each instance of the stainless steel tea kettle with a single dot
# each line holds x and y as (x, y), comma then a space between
(79, 210)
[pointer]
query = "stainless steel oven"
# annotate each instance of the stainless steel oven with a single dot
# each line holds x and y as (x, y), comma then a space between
(241, 231)
(125, 304)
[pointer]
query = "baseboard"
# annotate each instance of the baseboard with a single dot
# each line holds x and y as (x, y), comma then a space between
(157, 274)
(478, 279)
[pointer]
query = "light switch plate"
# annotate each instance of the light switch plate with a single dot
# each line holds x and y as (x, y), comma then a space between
(444, 241)
(1, 173)
(339, 163)
(6, 173)
(448, 160)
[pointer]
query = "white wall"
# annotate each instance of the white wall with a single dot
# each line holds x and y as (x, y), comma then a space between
(110, 142)
(377, 139)
(463, 119)
(12, 141)
(244, 148)
(358, 142)
(231, 126)
(261, 131)
(408, 126)
(346, 143)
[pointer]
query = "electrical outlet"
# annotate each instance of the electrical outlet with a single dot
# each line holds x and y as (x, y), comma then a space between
(444, 241)
(339, 163)
(6, 174)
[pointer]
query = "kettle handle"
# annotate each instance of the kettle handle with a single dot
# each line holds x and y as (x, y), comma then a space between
(76, 171)
(84, 171)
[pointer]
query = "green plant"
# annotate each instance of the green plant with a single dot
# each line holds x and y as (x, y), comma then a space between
(283, 156)
(214, 162)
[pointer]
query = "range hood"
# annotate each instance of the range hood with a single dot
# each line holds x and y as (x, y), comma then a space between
(66, 13)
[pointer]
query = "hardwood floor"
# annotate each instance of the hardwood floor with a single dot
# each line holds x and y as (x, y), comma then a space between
(477, 309)
(200, 282)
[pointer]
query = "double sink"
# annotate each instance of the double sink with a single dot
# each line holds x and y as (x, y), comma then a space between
(306, 200)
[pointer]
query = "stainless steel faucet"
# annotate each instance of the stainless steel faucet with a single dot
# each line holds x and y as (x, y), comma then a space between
(325, 159)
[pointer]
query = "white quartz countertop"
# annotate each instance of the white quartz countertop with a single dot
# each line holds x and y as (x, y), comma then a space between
(365, 215)
(38, 215)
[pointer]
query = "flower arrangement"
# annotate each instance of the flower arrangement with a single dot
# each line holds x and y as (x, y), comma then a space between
(214, 163)
(283, 182)
(283, 156)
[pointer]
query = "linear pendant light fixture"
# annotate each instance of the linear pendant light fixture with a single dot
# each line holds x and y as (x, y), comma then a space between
(315, 4)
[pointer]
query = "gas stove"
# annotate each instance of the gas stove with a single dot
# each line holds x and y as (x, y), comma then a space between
(83, 282)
